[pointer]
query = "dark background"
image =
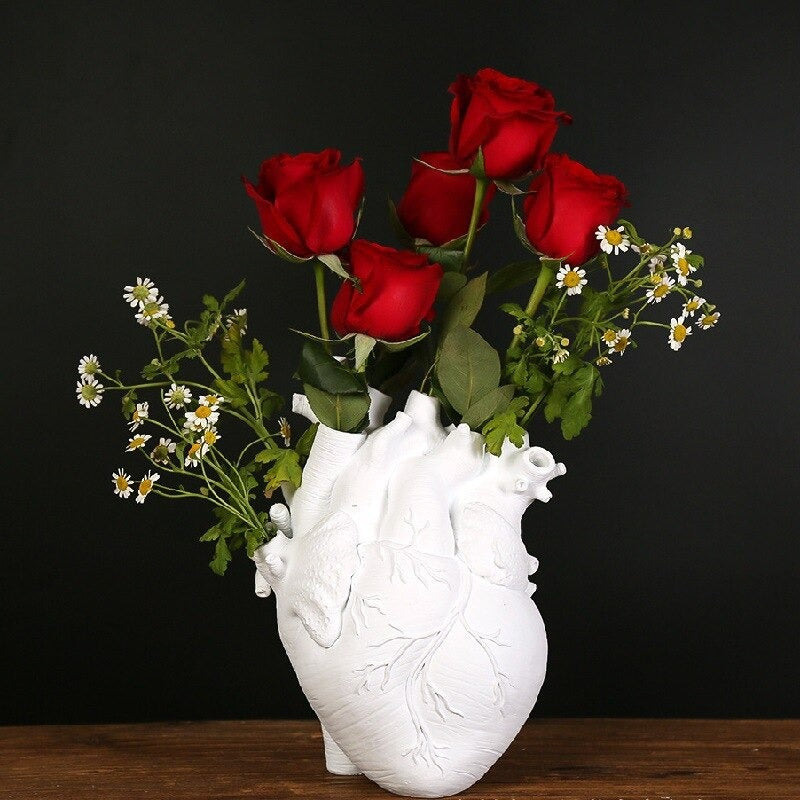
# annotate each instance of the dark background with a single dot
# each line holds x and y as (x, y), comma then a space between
(670, 555)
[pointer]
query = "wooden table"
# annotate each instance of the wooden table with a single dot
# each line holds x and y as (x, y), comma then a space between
(569, 759)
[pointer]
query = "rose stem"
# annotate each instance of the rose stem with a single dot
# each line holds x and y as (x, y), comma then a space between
(540, 287)
(322, 305)
(480, 191)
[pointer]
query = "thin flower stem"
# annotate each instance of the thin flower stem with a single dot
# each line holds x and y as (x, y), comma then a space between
(480, 192)
(322, 303)
(546, 274)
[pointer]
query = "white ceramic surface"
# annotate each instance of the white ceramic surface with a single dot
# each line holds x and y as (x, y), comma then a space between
(403, 597)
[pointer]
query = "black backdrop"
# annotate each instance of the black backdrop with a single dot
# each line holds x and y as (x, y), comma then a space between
(669, 556)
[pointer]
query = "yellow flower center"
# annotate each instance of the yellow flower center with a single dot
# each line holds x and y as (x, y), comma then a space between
(614, 237)
(610, 336)
(137, 441)
(203, 412)
(679, 332)
(122, 483)
(194, 449)
(145, 485)
(708, 320)
(621, 344)
(661, 290)
(692, 305)
(571, 279)
(169, 323)
(683, 266)
(656, 277)
(211, 400)
(210, 437)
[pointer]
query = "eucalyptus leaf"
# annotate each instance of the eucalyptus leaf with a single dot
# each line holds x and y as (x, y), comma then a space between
(495, 402)
(334, 264)
(506, 187)
(468, 367)
(343, 412)
(450, 260)
(396, 347)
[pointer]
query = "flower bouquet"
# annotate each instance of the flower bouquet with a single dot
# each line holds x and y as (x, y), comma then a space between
(396, 556)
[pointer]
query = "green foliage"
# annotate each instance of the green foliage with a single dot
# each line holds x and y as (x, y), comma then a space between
(511, 276)
(464, 306)
(303, 446)
(285, 467)
(229, 534)
(451, 283)
(343, 412)
(505, 425)
(468, 368)
(491, 404)
(570, 398)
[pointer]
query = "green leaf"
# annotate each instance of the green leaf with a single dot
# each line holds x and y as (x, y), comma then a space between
(364, 345)
(451, 283)
(450, 259)
(232, 356)
(477, 169)
(234, 394)
(570, 399)
(222, 557)
(633, 233)
(232, 294)
(129, 403)
(210, 302)
(506, 187)
(468, 367)
(495, 402)
(343, 412)
(505, 426)
(519, 229)
(465, 305)
(318, 368)
(256, 361)
(285, 467)
(515, 310)
(306, 440)
(512, 275)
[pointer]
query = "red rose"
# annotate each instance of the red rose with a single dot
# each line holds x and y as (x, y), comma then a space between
(438, 206)
(568, 203)
(398, 288)
(514, 121)
(308, 203)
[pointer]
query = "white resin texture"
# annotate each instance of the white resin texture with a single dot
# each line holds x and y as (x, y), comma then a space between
(403, 597)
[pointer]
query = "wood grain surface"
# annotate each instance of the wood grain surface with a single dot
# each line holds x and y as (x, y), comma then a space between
(569, 759)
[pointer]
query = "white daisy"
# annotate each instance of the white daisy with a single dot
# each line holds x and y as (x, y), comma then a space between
(122, 483)
(135, 442)
(202, 417)
(679, 255)
(613, 240)
(603, 361)
(660, 290)
(621, 342)
(285, 430)
(163, 450)
(678, 331)
(572, 278)
(238, 318)
(690, 306)
(560, 356)
(193, 454)
(213, 401)
(146, 486)
(152, 310)
(706, 321)
(140, 414)
(144, 291)
(89, 365)
(609, 337)
(177, 396)
(656, 261)
(208, 439)
(89, 391)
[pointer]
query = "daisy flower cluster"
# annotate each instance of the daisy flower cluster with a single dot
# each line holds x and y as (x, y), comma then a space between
(176, 426)
(144, 297)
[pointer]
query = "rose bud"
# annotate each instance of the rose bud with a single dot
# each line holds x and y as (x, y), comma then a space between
(308, 203)
(437, 206)
(513, 121)
(567, 204)
(398, 288)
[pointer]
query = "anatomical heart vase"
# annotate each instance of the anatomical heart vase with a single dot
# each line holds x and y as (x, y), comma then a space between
(394, 548)
(403, 597)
